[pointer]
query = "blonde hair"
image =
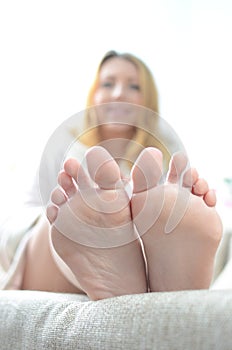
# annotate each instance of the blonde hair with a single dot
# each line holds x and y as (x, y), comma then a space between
(143, 136)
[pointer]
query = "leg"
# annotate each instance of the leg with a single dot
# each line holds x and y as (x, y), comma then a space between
(41, 271)
(179, 229)
(92, 230)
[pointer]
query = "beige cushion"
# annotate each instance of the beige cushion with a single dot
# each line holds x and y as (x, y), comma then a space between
(178, 320)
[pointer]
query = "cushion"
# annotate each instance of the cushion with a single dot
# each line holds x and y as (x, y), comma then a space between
(172, 320)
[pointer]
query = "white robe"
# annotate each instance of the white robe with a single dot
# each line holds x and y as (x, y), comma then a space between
(16, 230)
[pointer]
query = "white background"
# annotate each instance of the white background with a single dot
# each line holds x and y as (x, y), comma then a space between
(50, 50)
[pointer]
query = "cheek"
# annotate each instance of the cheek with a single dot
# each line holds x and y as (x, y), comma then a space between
(99, 97)
(138, 99)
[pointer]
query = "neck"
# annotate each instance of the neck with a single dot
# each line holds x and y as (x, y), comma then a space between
(116, 147)
(116, 139)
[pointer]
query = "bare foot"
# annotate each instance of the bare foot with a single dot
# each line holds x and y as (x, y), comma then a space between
(177, 222)
(92, 230)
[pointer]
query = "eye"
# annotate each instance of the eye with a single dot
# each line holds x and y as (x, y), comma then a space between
(107, 84)
(135, 87)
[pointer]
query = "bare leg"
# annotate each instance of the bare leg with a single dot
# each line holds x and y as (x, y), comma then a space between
(178, 224)
(41, 271)
(92, 230)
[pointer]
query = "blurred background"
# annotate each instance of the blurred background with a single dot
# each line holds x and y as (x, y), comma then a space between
(50, 50)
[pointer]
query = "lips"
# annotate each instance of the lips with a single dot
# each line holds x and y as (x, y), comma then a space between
(117, 113)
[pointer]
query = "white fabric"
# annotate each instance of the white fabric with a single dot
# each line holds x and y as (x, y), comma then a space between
(14, 235)
(18, 228)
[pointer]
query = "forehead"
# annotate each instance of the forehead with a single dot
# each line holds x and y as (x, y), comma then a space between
(119, 66)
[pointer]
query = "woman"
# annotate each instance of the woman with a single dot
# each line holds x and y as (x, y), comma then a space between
(125, 82)
(61, 256)
(125, 78)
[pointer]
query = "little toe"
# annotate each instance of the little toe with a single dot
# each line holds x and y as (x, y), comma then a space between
(147, 169)
(177, 167)
(103, 169)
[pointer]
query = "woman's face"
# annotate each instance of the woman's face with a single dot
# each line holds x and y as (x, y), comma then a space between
(118, 82)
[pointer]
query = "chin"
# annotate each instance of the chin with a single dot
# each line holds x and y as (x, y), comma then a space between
(116, 130)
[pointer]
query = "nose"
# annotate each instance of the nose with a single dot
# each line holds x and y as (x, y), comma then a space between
(119, 92)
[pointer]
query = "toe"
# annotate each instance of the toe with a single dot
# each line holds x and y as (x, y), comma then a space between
(177, 166)
(67, 184)
(210, 198)
(147, 169)
(71, 166)
(179, 173)
(200, 187)
(76, 171)
(58, 197)
(51, 213)
(190, 178)
(103, 169)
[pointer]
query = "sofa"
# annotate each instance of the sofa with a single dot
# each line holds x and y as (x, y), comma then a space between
(200, 320)
(185, 320)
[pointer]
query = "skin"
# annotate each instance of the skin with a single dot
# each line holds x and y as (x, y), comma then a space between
(119, 82)
(181, 259)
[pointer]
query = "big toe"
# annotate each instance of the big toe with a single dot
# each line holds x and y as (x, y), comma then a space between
(147, 169)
